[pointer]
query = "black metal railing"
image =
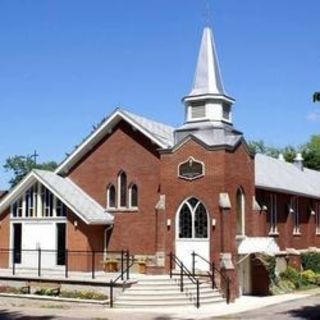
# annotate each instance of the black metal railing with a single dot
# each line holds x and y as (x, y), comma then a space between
(183, 271)
(37, 261)
(126, 272)
(225, 286)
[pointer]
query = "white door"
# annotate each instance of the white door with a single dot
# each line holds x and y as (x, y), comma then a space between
(38, 235)
(192, 234)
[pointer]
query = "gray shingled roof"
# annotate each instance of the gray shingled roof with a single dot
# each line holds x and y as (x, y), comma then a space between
(75, 198)
(212, 134)
(278, 175)
(161, 131)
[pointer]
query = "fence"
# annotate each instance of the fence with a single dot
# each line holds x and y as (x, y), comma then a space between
(61, 262)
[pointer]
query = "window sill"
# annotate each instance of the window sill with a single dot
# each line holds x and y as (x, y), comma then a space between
(318, 233)
(273, 234)
(297, 234)
(115, 210)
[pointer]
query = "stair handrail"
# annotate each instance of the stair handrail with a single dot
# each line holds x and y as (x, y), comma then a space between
(213, 268)
(185, 271)
(121, 276)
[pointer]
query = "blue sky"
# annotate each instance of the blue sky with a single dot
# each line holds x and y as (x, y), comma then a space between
(65, 64)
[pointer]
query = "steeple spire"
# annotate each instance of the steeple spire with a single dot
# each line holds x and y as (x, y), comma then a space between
(207, 78)
(207, 99)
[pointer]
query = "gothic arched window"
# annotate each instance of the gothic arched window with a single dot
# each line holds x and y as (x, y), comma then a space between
(111, 196)
(122, 187)
(133, 196)
(193, 220)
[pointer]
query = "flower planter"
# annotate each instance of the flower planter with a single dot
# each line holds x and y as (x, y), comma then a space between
(142, 267)
(110, 266)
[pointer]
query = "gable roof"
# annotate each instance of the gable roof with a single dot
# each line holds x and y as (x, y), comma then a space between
(159, 133)
(282, 176)
(66, 191)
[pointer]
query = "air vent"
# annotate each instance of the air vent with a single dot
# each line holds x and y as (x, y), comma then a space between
(198, 111)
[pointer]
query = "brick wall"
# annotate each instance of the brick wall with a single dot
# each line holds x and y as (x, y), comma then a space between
(128, 150)
(285, 237)
(4, 238)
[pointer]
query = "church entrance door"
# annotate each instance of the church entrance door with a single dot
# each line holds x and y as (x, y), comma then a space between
(192, 233)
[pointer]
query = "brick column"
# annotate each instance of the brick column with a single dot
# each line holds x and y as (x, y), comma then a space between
(228, 272)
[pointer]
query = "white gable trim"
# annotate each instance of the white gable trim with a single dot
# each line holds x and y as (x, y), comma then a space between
(97, 135)
(27, 182)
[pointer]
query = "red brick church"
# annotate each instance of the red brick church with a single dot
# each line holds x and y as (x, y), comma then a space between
(139, 185)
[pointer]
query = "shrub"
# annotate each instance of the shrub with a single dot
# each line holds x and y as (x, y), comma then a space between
(90, 295)
(309, 276)
(311, 261)
(295, 277)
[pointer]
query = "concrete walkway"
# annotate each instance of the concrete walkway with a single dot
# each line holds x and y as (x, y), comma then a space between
(25, 309)
(243, 304)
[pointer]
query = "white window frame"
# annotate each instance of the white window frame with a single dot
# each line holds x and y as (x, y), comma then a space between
(108, 196)
(273, 211)
(119, 190)
(242, 216)
(294, 205)
(130, 196)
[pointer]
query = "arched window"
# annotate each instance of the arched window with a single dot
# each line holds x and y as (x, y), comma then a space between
(240, 212)
(193, 220)
(111, 196)
(133, 196)
(122, 187)
(185, 222)
(201, 222)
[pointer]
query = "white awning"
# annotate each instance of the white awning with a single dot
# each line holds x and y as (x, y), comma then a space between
(258, 244)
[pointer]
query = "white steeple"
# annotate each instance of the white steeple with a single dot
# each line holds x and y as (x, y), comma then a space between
(208, 99)
(207, 78)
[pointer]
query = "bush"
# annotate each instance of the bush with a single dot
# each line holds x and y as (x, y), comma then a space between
(90, 295)
(295, 277)
(309, 276)
(311, 261)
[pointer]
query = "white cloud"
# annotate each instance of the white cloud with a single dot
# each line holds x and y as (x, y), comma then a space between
(313, 116)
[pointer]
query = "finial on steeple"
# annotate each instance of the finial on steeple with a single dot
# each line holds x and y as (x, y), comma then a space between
(207, 13)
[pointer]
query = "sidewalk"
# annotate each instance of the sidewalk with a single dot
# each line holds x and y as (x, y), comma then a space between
(13, 308)
(243, 304)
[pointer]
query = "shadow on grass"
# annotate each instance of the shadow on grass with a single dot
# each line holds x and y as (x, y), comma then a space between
(306, 312)
(15, 315)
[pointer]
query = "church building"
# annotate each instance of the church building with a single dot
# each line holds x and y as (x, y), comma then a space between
(140, 185)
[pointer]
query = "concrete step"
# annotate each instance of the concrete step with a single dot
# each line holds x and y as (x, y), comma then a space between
(161, 291)
(173, 292)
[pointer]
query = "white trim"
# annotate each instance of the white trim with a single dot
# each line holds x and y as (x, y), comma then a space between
(29, 180)
(98, 135)
(108, 197)
(243, 215)
(119, 190)
(192, 210)
(130, 206)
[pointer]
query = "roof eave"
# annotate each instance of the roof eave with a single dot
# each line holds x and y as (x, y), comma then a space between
(289, 192)
(97, 135)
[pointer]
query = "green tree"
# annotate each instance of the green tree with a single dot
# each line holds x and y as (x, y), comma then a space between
(311, 153)
(316, 96)
(20, 166)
